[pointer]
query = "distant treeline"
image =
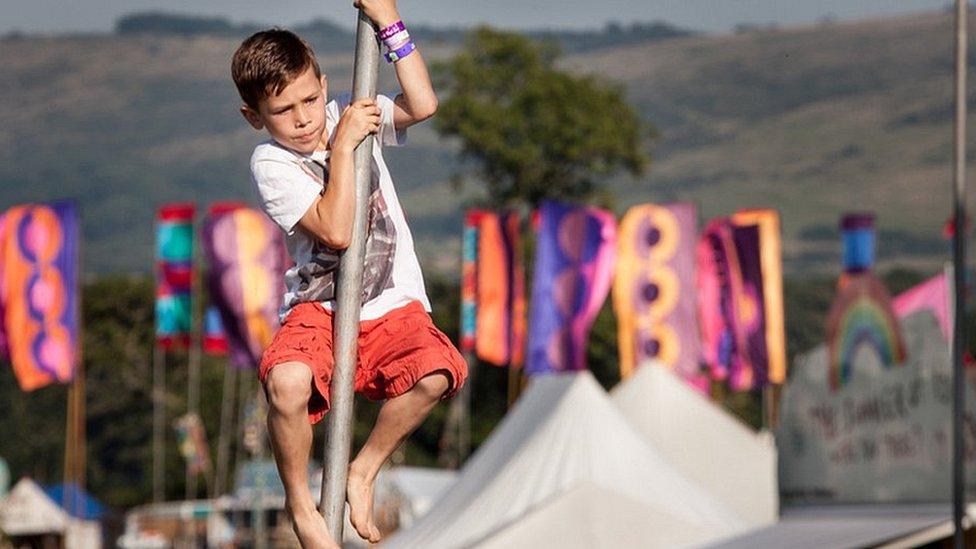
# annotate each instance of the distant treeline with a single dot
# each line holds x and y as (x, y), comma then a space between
(326, 34)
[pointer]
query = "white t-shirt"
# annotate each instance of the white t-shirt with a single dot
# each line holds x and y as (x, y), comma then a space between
(287, 184)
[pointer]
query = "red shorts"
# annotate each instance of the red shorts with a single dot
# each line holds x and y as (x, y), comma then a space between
(395, 352)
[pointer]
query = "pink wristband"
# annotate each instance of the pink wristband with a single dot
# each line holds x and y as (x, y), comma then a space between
(391, 30)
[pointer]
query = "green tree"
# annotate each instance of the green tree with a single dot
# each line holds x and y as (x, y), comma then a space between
(533, 131)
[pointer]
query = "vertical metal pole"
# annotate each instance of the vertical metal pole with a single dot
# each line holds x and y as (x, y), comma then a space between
(349, 300)
(959, 268)
(159, 423)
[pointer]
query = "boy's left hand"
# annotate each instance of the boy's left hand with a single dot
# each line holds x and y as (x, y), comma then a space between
(382, 12)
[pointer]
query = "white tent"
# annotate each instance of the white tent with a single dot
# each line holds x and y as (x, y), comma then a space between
(596, 518)
(565, 435)
(27, 511)
(711, 447)
(418, 488)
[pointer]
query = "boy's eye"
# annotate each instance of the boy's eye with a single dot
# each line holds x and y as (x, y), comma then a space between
(310, 100)
(282, 111)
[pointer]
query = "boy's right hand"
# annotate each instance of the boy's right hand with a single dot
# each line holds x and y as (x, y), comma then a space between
(358, 120)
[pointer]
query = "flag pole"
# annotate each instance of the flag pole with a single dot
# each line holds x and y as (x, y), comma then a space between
(959, 269)
(193, 359)
(226, 422)
(348, 300)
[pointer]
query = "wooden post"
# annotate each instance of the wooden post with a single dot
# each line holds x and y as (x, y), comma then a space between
(159, 423)
(349, 300)
(226, 430)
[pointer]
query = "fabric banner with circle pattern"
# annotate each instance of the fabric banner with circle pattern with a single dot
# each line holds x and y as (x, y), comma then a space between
(574, 263)
(654, 290)
(247, 258)
(39, 289)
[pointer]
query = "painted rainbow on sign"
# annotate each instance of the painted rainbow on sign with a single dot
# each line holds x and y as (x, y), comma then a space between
(862, 315)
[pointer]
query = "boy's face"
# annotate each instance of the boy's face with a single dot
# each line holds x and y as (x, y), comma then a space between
(295, 118)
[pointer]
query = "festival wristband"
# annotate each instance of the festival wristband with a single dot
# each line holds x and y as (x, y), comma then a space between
(398, 54)
(391, 30)
(397, 39)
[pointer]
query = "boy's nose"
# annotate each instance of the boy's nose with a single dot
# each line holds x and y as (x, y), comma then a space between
(301, 117)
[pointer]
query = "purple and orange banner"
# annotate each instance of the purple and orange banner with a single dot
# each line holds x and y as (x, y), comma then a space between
(174, 274)
(500, 318)
(574, 261)
(770, 279)
(654, 291)
(39, 290)
(247, 258)
(740, 299)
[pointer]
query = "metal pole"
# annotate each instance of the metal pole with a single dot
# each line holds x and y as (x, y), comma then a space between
(159, 423)
(959, 268)
(349, 301)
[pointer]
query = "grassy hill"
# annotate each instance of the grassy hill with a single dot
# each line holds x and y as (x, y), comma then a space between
(814, 121)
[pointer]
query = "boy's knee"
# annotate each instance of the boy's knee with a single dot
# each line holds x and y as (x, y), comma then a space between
(434, 385)
(289, 386)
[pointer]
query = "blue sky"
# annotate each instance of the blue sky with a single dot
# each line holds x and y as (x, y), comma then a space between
(54, 16)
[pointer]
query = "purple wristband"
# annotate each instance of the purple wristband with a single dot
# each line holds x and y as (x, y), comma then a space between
(391, 30)
(398, 54)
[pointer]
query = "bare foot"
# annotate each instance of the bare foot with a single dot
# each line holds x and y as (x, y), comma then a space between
(311, 530)
(359, 494)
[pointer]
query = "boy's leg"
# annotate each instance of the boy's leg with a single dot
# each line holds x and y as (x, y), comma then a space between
(398, 417)
(289, 387)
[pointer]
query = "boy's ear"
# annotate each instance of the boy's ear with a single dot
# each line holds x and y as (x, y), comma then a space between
(253, 118)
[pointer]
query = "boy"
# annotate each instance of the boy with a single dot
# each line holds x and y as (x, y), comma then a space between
(304, 178)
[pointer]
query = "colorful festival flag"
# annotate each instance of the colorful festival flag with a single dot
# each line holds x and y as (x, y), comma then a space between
(731, 303)
(931, 295)
(174, 274)
(469, 280)
(39, 291)
(771, 283)
(214, 337)
(246, 254)
(500, 324)
(493, 303)
(717, 262)
(654, 290)
(4, 347)
(575, 253)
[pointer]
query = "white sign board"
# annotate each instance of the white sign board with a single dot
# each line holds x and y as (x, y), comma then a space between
(885, 435)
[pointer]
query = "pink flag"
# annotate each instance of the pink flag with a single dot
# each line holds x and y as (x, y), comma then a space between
(931, 295)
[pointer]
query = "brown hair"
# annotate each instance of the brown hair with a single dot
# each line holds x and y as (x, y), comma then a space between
(268, 61)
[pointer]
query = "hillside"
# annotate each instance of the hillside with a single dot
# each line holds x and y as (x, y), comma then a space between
(813, 121)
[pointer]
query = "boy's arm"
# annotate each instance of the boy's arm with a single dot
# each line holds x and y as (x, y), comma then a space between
(330, 217)
(418, 101)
